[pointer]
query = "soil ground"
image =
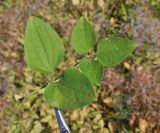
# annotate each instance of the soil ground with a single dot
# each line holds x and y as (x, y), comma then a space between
(128, 100)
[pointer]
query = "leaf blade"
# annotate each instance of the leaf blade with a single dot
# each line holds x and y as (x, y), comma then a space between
(112, 51)
(83, 36)
(92, 69)
(75, 91)
(42, 46)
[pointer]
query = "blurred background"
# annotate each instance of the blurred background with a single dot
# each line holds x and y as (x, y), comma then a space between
(128, 101)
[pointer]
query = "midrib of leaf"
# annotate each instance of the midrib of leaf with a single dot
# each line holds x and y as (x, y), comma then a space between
(75, 92)
(115, 49)
(87, 94)
(50, 61)
(45, 51)
(61, 86)
(50, 44)
(93, 71)
(76, 97)
(84, 34)
(33, 65)
(102, 51)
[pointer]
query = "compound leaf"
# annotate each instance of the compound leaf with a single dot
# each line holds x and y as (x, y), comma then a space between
(42, 46)
(83, 36)
(92, 69)
(112, 51)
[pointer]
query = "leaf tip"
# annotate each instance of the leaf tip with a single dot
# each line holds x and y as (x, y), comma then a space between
(31, 18)
(82, 18)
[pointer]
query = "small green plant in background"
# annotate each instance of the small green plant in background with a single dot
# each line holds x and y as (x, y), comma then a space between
(44, 50)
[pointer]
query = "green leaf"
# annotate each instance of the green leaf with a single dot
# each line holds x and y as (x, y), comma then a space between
(92, 69)
(83, 36)
(42, 46)
(112, 51)
(72, 91)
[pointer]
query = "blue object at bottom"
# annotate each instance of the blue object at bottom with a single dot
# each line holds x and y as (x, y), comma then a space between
(61, 121)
